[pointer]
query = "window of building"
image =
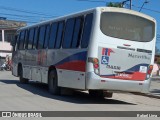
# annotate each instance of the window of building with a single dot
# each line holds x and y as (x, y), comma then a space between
(53, 35)
(68, 33)
(41, 37)
(87, 30)
(59, 34)
(77, 32)
(47, 36)
(9, 35)
(0, 35)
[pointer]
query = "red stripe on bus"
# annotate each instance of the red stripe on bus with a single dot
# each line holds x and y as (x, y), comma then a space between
(137, 76)
(73, 65)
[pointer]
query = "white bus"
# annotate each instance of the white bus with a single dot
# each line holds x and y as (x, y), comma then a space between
(102, 49)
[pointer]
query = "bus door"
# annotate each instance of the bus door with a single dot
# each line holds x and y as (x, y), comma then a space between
(42, 52)
(42, 63)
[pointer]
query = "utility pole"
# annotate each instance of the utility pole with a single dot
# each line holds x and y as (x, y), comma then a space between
(131, 4)
(143, 5)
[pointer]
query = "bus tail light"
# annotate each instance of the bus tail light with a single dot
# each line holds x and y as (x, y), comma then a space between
(150, 69)
(95, 62)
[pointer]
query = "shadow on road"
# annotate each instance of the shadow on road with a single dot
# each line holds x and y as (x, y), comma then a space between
(155, 80)
(155, 91)
(77, 97)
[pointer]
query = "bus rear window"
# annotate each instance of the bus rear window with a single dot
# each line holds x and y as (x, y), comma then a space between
(127, 26)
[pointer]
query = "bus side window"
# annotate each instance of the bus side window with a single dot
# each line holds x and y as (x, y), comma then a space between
(34, 44)
(53, 35)
(21, 40)
(18, 40)
(68, 35)
(30, 38)
(59, 34)
(46, 36)
(15, 42)
(77, 32)
(41, 37)
(87, 30)
(26, 40)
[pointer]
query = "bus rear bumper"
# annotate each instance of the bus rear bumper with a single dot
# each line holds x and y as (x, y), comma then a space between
(94, 81)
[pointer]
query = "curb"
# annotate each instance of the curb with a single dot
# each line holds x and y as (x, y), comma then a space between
(147, 95)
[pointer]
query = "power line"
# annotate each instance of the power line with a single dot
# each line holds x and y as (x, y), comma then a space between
(145, 2)
(24, 20)
(126, 4)
(105, 1)
(27, 20)
(92, 1)
(26, 11)
(147, 9)
(22, 15)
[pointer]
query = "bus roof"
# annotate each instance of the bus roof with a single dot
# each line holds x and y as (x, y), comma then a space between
(124, 10)
(104, 9)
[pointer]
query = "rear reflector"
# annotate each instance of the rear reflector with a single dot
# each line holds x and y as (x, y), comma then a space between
(103, 81)
(126, 45)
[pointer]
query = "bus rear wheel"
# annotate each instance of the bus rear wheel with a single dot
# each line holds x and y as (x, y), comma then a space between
(53, 83)
(22, 80)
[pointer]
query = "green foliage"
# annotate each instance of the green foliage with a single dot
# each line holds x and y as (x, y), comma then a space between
(117, 4)
(157, 51)
(158, 60)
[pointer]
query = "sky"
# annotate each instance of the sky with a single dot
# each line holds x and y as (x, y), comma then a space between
(33, 11)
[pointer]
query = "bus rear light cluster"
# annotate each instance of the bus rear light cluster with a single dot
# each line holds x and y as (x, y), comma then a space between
(95, 62)
(150, 69)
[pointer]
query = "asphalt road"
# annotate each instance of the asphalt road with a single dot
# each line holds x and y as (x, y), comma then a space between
(35, 97)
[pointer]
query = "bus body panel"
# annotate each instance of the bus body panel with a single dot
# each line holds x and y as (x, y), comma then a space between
(70, 66)
(15, 69)
(15, 63)
(18, 58)
(75, 79)
(123, 64)
(27, 71)
(67, 63)
(133, 75)
(96, 82)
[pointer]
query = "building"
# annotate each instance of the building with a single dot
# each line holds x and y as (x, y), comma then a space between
(8, 30)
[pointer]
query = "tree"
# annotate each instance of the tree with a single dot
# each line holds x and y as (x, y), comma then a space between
(157, 58)
(157, 51)
(113, 4)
